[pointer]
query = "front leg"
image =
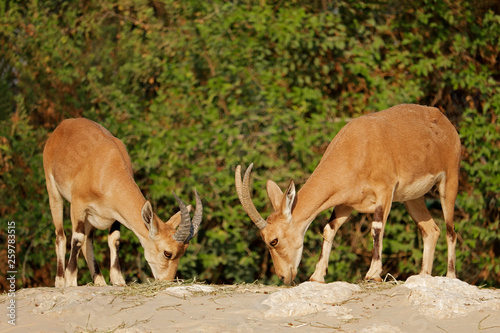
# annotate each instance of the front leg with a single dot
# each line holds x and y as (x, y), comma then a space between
(378, 226)
(115, 273)
(339, 215)
(88, 252)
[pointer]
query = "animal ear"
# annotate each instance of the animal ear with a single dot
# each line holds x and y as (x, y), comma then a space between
(274, 193)
(289, 200)
(148, 218)
(175, 220)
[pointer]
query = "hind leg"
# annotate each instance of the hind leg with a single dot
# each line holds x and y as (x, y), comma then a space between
(448, 193)
(115, 273)
(56, 209)
(339, 215)
(78, 218)
(88, 253)
(430, 231)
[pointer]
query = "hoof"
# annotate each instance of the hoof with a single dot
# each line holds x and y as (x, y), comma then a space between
(117, 279)
(99, 281)
(373, 279)
(59, 282)
(119, 283)
(317, 278)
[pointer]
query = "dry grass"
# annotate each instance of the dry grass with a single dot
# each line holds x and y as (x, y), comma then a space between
(149, 289)
(388, 283)
(152, 288)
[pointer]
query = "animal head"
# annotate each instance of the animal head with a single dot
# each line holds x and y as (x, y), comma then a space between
(284, 241)
(167, 242)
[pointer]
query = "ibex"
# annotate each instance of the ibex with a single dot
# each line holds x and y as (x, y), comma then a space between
(85, 164)
(398, 154)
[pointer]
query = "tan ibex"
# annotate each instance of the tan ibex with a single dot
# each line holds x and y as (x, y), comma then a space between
(85, 164)
(397, 154)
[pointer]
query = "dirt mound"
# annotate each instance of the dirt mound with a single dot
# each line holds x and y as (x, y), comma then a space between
(421, 304)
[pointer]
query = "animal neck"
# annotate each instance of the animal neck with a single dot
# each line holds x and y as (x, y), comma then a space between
(129, 203)
(312, 199)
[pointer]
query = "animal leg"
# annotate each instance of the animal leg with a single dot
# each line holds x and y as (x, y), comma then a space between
(339, 215)
(430, 231)
(77, 239)
(56, 208)
(115, 273)
(378, 225)
(88, 253)
(448, 194)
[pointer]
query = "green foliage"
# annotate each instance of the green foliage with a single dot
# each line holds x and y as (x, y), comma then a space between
(195, 88)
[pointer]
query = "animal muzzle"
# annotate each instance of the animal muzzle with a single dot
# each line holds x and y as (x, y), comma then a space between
(288, 277)
(164, 273)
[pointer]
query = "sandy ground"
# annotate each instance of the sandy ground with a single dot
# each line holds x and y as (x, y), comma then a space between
(427, 305)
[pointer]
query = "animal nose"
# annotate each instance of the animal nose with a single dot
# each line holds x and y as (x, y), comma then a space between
(282, 278)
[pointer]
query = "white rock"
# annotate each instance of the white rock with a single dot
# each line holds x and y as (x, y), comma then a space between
(307, 298)
(442, 297)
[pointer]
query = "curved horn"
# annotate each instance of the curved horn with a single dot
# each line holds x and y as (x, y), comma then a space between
(182, 232)
(243, 190)
(196, 218)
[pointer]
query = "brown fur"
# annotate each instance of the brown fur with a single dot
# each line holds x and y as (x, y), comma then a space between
(397, 154)
(89, 167)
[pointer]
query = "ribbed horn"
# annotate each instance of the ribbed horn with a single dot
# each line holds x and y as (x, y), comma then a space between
(195, 224)
(243, 190)
(182, 232)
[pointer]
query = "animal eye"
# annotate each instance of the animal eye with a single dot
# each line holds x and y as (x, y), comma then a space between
(274, 242)
(167, 254)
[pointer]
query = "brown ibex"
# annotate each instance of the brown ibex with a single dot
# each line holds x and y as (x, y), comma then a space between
(85, 164)
(397, 154)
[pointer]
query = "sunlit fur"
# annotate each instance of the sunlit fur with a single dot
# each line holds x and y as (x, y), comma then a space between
(397, 154)
(90, 168)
